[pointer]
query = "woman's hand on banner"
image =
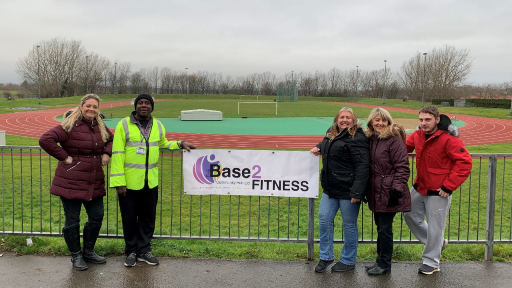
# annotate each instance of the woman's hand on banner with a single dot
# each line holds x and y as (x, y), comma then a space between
(315, 151)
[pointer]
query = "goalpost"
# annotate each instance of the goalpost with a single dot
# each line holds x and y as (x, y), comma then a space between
(256, 103)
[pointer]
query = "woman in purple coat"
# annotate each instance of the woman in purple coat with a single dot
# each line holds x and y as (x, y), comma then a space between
(85, 146)
(388, 191)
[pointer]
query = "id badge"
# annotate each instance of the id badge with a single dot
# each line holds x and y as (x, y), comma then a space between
(141, 150)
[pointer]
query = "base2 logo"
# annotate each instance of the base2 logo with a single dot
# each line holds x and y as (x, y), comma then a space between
(208, 171)
(202, 169)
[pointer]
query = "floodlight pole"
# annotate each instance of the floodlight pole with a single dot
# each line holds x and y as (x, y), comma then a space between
(384, 88)
(87, 74)
(357, 80)
(424, 72)
(186, 76)
(115, 80)
(38, 76)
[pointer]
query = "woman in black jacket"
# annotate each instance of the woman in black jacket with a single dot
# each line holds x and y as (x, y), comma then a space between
(346, 159)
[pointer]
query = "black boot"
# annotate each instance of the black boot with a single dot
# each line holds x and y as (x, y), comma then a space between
(72, 238)
(90, 236)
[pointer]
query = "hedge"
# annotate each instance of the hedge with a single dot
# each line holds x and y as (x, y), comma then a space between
(438, 101)
(490, 103)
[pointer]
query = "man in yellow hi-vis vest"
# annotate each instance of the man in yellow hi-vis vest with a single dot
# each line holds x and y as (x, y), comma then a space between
(134, 173)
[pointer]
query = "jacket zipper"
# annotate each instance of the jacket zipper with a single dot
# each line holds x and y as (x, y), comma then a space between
(74, 165)
(327, 161)
(382, 176)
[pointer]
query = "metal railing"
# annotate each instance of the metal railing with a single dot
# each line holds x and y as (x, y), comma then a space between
(481, 209)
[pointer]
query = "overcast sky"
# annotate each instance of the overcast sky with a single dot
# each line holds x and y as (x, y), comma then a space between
(238, 37)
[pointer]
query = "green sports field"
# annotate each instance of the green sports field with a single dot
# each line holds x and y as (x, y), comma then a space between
(246, 126)
(252, 126)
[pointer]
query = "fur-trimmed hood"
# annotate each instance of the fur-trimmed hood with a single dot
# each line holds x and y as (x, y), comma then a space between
(390, 131)
(445, 124)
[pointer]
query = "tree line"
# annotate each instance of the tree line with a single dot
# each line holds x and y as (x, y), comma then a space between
(66, 68)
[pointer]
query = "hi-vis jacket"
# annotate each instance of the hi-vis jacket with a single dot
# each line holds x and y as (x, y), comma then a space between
(135, 158)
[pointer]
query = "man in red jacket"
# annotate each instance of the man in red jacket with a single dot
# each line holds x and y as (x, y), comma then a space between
(442, 165)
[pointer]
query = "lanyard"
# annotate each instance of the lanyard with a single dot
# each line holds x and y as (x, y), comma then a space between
(143, 134)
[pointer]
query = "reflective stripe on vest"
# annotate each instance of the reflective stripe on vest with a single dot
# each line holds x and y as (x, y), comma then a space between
(137, 144)
(140, 166)
(126, 129)
(160, 131)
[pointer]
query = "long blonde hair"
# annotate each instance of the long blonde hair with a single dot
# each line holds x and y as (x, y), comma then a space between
(70, 120)
(392, 129)
(335, 130)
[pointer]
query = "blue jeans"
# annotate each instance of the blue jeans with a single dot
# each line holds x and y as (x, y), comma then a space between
(349, 211)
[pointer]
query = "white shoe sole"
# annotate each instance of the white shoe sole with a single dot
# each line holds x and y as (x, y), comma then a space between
(150, 263)
(431, 272)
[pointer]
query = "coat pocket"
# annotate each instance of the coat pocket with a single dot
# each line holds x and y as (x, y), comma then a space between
(341, 180)
(74, 166)
(436, 177)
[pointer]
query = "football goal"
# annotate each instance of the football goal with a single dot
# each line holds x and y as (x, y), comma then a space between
(255, 103)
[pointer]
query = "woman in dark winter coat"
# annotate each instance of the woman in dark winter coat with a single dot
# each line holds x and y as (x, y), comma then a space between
(387, 191)
(346, 159)
(85, 146)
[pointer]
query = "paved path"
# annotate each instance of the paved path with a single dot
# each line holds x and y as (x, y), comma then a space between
(43, 271)
(478, 130)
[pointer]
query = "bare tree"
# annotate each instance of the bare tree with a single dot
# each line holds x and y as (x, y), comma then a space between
(165, 80)
(227, 85)
(137, 82)
(152, 78)
(335, 81)
(59, 64)
(123, 77)
(411, 77)
(203, 82)
(97, 66)
(445, 69)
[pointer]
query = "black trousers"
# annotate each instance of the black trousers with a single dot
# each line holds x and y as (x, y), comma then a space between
(138, 212)
(384, 222)
(72, 207)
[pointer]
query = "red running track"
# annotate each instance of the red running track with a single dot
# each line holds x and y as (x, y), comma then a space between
(478, 130)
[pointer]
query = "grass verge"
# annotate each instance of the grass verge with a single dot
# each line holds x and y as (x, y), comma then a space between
(250, 250)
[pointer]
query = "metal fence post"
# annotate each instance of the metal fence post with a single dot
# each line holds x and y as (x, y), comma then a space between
(491, 203)
(311, 228)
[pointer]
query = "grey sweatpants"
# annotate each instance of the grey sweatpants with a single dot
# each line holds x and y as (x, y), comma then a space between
(435, 208)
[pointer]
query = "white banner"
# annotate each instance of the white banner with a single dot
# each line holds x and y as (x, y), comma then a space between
(251, 172)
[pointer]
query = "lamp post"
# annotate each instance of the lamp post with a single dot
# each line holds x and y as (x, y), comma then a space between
(357, 79)
(292, 89)
(424, 72)
(115, 76)
(38, 76)
(384, 89)
(87, 74)
(186, 76)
